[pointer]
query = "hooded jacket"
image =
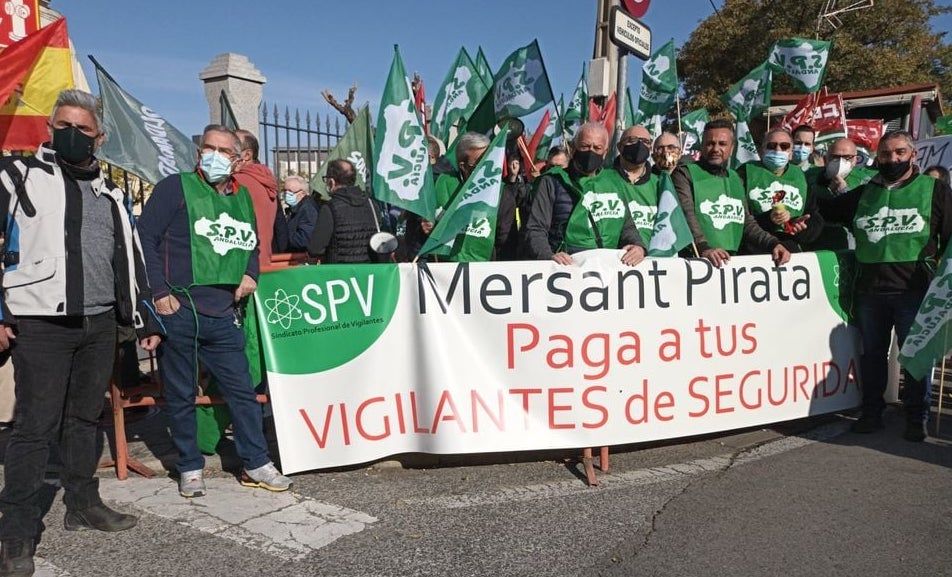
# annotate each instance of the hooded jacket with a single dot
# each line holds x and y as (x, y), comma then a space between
(263, 188)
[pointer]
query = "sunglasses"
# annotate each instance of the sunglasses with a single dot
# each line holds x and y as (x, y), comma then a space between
(777, 146)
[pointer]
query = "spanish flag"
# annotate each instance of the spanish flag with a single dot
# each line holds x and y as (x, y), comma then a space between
(33, 72)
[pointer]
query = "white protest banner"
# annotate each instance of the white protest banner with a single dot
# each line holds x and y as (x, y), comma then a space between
(368, 361)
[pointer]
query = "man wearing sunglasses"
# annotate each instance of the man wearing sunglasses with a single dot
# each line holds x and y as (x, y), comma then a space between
(902, 221)
(714, 202)
(778, 195)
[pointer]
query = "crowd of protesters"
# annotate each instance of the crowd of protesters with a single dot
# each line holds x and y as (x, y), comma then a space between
(68, 290)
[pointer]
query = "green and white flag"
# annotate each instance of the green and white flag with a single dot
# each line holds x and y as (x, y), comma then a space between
(671, 232)
(577, 113)
(402, 175)
(803, 60)
(356, 146)
(745, 150)
(483, 68)
(140, 140)
(521, 85)
(692, 127)
(931, 333)
(750, 96)
(659, 88)
(630, 114)
(474, 208)
(458, 97)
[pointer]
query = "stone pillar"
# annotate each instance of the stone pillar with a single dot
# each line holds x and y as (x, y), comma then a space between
(242, 83)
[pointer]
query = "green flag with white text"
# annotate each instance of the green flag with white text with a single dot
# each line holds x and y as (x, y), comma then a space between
(659, 89)
(473, 210)
(356, 146)
(458, 97)
(402, 175)
(750, 95)
(521, 86)
(803, 60)
(931, 333)
(745, 149)
(140, 140)
(671, 232)
(692, 127)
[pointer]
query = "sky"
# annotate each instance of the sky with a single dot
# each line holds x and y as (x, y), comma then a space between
(156, 50)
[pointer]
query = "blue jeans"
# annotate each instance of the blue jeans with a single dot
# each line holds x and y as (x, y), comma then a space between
(876, 315)
(62, 365)
(220, 347)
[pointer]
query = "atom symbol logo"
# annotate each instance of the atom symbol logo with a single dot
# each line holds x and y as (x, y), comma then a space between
(283, 308)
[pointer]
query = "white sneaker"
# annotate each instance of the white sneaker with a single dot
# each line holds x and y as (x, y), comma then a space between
(191, 484)
(267, 477)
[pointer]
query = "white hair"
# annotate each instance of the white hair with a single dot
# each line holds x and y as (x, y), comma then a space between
(300, 179)
(596, 127)
(78, 99)
(471, 141)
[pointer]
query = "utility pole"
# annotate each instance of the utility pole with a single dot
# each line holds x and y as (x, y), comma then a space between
(604, 54)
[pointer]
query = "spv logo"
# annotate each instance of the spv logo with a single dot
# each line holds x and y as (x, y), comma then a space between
(789, 196)
(888, 221)
(226, 233)
(723, 211)
(642, 214)
(603, 205)
(319, 318)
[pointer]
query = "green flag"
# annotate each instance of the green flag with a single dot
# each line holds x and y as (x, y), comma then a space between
(521, 86)
(750, 96)
(930, 334)
(745, 150)
(401, 172)
(803, 60)
(577, 113)
(692, 127)
(473, 210)
(659, 89)
(483, 68)
(671, 232)
(139, 140)
(662, 69)
(629, 109)
(356, 146)
(548, 135)
(460, 94)
(943, 125)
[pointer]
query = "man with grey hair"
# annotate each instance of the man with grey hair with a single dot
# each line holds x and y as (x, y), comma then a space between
(560, 223)
(73, 273)
(302, 212)
(902, 221)
(201, 249)
(467, 247)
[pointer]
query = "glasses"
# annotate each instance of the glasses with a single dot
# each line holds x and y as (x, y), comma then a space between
(842, 156)
(777, 146)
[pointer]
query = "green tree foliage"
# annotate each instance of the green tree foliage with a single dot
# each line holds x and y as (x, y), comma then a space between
(890, 44)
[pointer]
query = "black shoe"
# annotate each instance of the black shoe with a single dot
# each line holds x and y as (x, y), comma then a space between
(867, 424)
(99, 517)
(16, 559)
(915, 431)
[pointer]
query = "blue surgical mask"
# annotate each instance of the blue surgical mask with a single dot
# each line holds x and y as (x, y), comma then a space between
(215, 166)
(775, 159)
(290, 198)
(801, 153)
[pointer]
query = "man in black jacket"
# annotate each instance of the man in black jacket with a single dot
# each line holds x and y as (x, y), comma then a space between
(345, 225)
(301, 213)
(902, 221)
(73, 272)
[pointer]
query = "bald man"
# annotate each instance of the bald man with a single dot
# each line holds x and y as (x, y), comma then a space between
(559, 224)
(666, 153)
(841, 173)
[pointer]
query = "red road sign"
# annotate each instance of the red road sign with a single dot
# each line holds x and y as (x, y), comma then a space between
(636, 8)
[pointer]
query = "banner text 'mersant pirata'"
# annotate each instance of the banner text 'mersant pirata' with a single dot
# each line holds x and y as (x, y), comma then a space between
(639, 287)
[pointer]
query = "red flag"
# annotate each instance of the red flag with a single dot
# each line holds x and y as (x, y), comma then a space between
(865, 133)
(538, 134)
(609, 113)
(18, 59)
(419, 100)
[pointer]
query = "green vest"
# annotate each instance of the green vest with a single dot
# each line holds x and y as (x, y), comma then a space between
(893, 225)
(763, 186)
(719, 206)
(222, 231)
(606, 210)
(642, 199)
(476, 242)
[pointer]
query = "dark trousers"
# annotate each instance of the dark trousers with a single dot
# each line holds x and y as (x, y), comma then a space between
(62, 366)
(876, 316)
(220, 347)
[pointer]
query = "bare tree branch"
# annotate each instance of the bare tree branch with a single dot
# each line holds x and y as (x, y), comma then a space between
(347, 108)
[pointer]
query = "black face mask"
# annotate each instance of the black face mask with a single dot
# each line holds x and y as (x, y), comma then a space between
(636, 153)
(893, 171)
(73, 145)
(587, 161)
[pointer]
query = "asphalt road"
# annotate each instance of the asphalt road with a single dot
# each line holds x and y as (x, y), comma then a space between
(807, 499)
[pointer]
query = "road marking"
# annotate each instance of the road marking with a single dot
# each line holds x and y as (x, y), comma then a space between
(286, 525)
(634, 478)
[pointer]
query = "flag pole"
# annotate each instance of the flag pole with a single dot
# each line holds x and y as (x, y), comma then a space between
(677, 102)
